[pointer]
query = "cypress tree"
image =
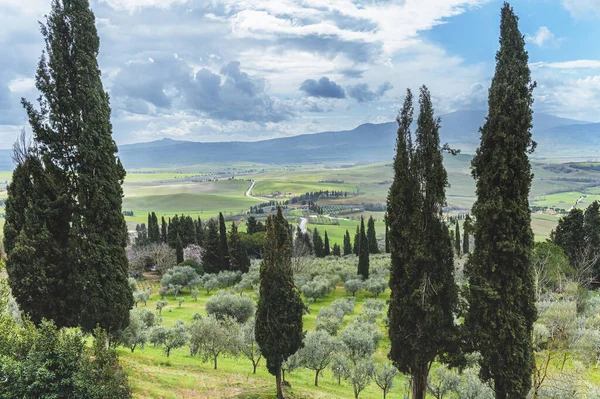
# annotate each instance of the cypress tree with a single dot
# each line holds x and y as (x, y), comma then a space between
(326, 247)
(251, 225)
(569, 234)
(173, 230)
(163, 230)
(223, 249)
(363, 252)
(466, 231)
(591, 226)
(179, 249)
(347, 244)
(501, 293)
(424, 296)
(372, 236)
(337, 251)
(317, 243)
(278, 328)
(356, 248)
(457, 245)
(212, 250)
(73, 137)
(187, 231)
(237, 253)
(387, 232)
(308, 243)
(153, 229)
(199, 232)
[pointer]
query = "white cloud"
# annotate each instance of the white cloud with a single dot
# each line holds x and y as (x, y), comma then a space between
(21, 85)
(544, 38)
(575, 64)
(134, 5)
(583, 8)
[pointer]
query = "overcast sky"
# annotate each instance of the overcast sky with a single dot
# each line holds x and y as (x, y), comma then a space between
(220, 70)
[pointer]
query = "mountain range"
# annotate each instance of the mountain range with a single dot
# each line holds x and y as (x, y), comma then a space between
(556, 137)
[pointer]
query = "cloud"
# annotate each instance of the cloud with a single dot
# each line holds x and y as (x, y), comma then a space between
(544, 38)
(134, 5)
(362, 93)
(322, 88)
(575, 64)
(583, 9)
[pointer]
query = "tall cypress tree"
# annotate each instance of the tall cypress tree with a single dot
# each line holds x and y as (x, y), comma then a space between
(237, 253)
(153, 229)
(73, 136)
(211, 260)
(163, 230)
(356, 247)
(317, 243)
(347, 244)
(387, 232)
(199, 232)
(173, 230)
(457, 245)
(363, 252)
(466, 231)
(591, 226)
(501, 291)
(424, 296)
(326, 247)
(179, 249)
(372, 236)
(278, 328)
(223, 248)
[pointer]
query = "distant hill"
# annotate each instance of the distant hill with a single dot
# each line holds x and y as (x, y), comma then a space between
(366, 143)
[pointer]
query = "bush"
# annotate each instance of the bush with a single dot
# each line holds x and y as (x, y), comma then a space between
(353, 286)
(225, 305)
(376, 285)
(180, 276)
(194, 265)
(317, 288)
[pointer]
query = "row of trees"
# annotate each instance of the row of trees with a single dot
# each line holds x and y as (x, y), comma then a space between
(498, 321)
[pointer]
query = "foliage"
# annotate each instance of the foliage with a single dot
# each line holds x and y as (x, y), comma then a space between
(237, 253)
(182, 276)
(159, 257)
(318, 352)
(383, 376)
(376, 285)
(372, 236)
(363, 253)
(248, 345)
(424, 296)
(175, 337)
(280, 308)
(211, 338)
(353, 286)
(224, 305)
(501, 292)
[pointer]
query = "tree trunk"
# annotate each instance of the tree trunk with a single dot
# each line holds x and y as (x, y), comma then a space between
(215, 362)
(419, 382)
(279, 388)
(317, 378)
(500, 394)
(254, 365)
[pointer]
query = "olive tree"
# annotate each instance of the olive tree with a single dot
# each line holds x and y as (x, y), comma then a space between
(180, 276)
(248, 346)
(211, 337)
(383, 376)
(225, 305)
(353, 286)
(376, 285)
(318, 352)
(136, 333)
(175, 337)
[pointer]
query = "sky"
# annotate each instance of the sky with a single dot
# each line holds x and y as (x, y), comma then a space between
(247, 70)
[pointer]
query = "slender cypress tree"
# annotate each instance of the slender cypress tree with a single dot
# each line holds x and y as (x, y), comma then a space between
(212, 250)
(424, 296)
(326, 247)
(173, 230)
(308, 243)
(457, 245)
(163, 230)
(223, 249)
(73, 137)
(278, 328)
(347, 244)
(317, 243)
(187, 231)
(372, 236)
(387, 232)
(501, 291)
(199, 232)
(363, 252)
(237, 253)
(356, 248)
(179, 249)
(466, 231)
(337, 250)
(153, 229)
(591, 226)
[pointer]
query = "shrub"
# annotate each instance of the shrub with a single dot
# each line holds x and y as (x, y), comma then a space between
(180, 276)
(353, 286)
(225, 305)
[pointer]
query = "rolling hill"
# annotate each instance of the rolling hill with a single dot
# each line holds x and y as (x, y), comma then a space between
(556, 137)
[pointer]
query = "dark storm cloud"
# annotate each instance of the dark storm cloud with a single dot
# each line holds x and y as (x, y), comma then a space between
(322, 88)
(362, 93)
